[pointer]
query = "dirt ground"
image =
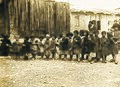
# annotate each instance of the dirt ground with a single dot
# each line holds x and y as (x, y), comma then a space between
(57, 73)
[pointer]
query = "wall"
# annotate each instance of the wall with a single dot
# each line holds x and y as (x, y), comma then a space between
(2, 19)
(31, 17)
(85, 18)
(83, 22)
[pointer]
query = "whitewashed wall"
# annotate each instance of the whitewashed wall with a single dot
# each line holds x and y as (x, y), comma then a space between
(85, 18)
(83, 22)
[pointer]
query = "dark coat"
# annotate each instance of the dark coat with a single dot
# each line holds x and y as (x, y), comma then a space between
(113, 48)
(17, 47)
(5, 46)
(96, 42)
(64, 44)
(104, 42)
(26, 47)
(76, 42)
(76, 45)
(87, 45)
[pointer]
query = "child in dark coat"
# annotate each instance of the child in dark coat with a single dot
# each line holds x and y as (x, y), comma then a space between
(64, 46)
(104, 43)
(113, 46)
(26, 48)
(5, 45)
(85, 45)
(34, 48)
(76, 45)
(95, 48)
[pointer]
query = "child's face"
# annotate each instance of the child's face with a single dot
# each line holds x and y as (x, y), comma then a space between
(104, 34)
(53, 37)
(47, 37)
(85, 33)
(96, 34)
(116, 28)
(64, 35)
(70, 37)
(17, 41)
(58, 37)
(40, 39)
(32, 39)
(75, 34)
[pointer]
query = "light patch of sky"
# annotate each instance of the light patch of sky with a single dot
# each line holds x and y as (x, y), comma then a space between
(90, 4)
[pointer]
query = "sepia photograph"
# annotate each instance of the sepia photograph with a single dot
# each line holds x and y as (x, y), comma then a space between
(59, 43)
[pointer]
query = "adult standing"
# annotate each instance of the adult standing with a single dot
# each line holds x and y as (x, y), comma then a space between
(5, 45)
(92, 26)
(115, 39)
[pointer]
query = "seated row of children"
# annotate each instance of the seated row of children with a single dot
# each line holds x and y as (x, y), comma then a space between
(77, 43)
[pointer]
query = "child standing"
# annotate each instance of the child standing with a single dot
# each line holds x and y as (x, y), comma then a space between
(104, 42)
(58, 39)
(53, 46)
(17, 46)
(34, 48)
(76, 45)
(26, 48)
(95, 46)
(113, 46)
(70, 37)
(85, 45)
(46, 43)
(41, 47)
(64, 46)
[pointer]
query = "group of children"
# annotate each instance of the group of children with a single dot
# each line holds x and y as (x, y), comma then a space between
(84, 44)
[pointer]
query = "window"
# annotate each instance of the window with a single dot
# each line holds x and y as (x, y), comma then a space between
(99, 25)
(77, 24)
